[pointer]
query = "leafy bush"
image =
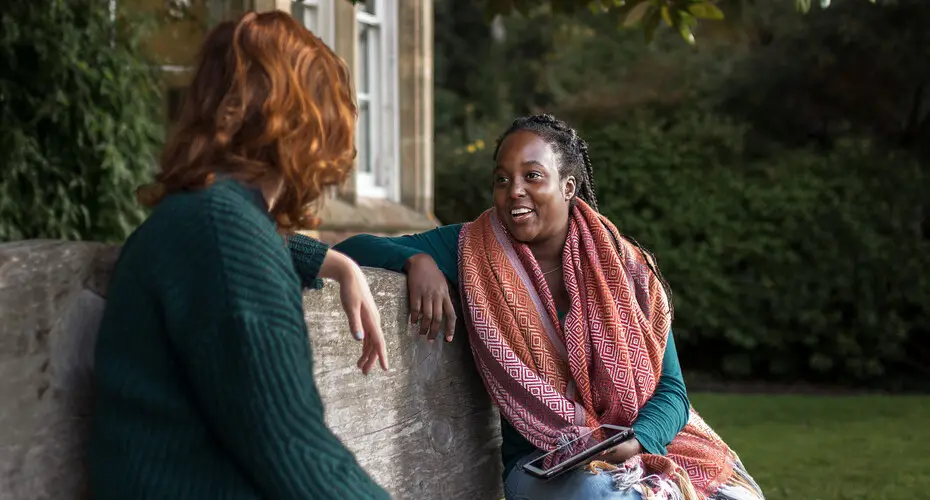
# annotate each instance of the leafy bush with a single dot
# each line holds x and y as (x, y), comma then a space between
(463, 169)
(802, 263)
(80, 121)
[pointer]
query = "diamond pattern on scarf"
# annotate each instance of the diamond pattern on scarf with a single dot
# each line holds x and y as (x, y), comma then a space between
(615, 335)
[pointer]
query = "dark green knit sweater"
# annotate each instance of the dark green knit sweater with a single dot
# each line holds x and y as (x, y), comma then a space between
(204, 378)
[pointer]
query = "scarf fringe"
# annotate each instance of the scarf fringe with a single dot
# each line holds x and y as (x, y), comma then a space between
(632, 475)
(741, 486)
(676, 486)
(681, 479)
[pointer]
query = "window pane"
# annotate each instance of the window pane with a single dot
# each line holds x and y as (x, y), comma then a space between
(297, 10)
(308, 15)
(368, 6)
(311, 19)
(364, 59)
(364, 137)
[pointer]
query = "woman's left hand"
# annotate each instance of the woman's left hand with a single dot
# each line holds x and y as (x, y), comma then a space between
(622, 452)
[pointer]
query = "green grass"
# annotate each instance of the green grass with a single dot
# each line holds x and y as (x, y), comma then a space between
(827, 448)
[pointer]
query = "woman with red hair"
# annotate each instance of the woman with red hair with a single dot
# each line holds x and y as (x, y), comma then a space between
(204, 381)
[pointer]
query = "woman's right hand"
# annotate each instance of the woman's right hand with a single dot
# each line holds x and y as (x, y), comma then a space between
(430, 303)
(359, 305)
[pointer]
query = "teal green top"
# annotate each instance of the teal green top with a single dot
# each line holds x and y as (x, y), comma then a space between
(660, 419)
(204, 377)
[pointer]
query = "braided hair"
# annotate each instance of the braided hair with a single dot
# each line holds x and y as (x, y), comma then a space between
(572, 153)
(571, 150)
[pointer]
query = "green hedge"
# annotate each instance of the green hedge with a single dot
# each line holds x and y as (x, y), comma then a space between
(80, 121)
(784, 263)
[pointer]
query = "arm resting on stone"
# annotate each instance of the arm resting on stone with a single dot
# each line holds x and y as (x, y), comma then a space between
(393, 253)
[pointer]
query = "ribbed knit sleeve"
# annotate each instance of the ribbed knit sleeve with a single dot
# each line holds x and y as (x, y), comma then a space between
(307, 254)
(392, 253)
(667, 411)
(259, 392)
(243, 347)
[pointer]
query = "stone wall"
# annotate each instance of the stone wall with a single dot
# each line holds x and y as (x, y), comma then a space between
(424, 430)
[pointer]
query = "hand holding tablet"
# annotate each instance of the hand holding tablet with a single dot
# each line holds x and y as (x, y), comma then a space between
(579, 451)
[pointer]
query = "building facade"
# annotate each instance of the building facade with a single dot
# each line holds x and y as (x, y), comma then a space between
(388, 46)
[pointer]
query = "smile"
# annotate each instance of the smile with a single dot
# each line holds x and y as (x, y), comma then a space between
(520, 214)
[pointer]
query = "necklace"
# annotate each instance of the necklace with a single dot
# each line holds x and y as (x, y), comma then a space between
(547, 273)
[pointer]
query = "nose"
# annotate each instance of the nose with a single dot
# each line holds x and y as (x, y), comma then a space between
(517, 190)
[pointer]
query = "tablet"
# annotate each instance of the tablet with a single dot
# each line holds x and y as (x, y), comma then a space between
(578, 451)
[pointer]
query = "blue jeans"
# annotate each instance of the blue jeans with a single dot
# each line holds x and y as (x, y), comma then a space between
(578, 484)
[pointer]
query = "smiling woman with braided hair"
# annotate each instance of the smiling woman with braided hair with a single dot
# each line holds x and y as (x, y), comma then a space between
(593, 343)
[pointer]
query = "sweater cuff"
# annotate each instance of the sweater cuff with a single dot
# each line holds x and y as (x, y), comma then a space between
(650, 444)
(307, 254)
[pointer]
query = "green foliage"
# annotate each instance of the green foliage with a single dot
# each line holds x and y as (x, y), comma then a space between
(853, 69)
(801, 263)
(680, 15)
(463, 181)
(80, 121)
(781, 179)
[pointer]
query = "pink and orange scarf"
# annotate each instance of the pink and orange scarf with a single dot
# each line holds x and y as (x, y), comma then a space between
(552, 382)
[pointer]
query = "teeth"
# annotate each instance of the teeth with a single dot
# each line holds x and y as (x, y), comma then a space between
(520, 211)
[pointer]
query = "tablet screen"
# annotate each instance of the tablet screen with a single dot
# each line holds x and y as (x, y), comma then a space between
(579, 446)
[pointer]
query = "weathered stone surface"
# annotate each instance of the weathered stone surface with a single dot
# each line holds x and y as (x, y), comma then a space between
(424, 430)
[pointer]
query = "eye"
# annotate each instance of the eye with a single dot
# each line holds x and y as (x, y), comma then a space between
(534, 175)
(500, 179)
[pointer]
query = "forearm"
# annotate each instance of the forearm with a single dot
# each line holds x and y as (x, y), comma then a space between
(336, 266)
(663, 417)
(376, 251)
(395, 253)
(667, 411)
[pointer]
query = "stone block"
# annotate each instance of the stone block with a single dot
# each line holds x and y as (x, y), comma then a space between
(426, 429)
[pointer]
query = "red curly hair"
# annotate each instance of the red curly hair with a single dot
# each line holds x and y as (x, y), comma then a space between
(269, 101)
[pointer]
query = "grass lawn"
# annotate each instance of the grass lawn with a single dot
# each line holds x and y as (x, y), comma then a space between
(827, 448)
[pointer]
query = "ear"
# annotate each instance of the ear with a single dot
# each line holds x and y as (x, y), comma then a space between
(569, 188)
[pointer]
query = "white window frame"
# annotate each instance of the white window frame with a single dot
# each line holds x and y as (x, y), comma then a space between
(325, 18)
(381, 98)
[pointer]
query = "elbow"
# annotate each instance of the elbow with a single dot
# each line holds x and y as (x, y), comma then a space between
(684, 409)
(347, 243)
(685, 412)
(353, 246)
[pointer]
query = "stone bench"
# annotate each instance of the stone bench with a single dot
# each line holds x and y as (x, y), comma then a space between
(424, 430)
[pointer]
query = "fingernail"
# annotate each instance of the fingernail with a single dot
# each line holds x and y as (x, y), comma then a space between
(359, 335)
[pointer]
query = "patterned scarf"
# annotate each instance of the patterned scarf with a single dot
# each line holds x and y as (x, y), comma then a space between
(554, 383)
